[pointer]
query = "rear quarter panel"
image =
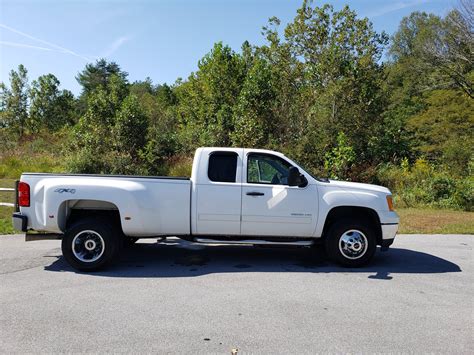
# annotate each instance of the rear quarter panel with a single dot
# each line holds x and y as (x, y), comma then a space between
(146, 206)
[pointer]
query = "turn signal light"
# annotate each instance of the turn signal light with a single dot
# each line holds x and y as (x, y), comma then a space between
(23, 194)
(390, 203)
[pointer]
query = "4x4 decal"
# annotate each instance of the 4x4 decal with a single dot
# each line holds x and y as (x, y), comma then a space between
(61, 190)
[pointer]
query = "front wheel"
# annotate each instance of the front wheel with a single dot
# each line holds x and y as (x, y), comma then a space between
(90, 244)
(351, 243)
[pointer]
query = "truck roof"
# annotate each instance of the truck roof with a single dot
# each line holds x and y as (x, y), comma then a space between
(237, 149)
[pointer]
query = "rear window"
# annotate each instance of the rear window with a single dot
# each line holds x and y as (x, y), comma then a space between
(222, 166)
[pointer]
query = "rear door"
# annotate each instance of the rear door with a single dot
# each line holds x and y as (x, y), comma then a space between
(270, 207)
(219, 194)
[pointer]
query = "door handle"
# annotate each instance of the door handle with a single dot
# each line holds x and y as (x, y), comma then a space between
(255, 193)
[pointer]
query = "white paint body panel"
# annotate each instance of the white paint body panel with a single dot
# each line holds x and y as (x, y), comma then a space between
(281, 211)
(163, 206)
(217, 204)
(154, 206)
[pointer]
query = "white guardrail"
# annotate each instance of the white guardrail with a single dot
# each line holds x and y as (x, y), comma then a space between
(7, 203)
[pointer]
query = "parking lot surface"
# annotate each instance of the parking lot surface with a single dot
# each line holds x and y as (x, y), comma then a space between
(177, 297)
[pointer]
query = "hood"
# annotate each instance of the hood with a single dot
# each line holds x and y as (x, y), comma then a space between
(346, 185)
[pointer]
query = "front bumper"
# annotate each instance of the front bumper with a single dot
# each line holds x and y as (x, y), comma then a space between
(20, 222)
(389, 230)
(389, 224)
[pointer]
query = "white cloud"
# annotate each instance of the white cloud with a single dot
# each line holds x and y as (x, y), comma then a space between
(395, 6)
(14, 44)
(111, 49)
(114, 46)
(52, 46)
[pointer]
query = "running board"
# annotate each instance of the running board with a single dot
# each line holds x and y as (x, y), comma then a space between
(302, 243)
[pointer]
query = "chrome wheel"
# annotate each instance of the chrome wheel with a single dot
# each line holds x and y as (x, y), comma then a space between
(353, 244)
(88, 246)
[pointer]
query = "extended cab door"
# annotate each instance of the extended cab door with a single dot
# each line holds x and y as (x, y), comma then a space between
(218, 192)
(270, 207)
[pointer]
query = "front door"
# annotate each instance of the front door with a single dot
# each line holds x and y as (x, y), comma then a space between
(270, 207)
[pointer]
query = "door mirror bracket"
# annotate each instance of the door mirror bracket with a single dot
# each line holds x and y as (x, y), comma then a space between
(295, 178)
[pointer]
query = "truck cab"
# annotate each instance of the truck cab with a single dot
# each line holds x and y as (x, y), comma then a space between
(248, 192)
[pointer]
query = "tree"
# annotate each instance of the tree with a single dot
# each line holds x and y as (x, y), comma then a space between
(206, 100)
(452, 48)
(254, 124)
(98, 75)
(4, 97)
(111, 135)
(130, 129)
(336, 58)
(409, 78)
(430, 59)
(92, 142)
(50, 107)
(340, 159)
(434, 53)
(444, 129)
(140, 88)
(15, 101)
(288, 106)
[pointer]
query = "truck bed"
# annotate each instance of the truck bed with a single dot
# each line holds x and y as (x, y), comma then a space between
(148, 205)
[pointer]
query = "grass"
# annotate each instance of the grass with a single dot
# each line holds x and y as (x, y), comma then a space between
(40, 153)
(431, 221)
(6, 212)
(6, 220)
(7, 196)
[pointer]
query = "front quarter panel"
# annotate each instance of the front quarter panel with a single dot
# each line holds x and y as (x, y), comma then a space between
(334, 196)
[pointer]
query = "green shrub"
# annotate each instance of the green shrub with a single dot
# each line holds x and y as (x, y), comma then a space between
(181, 167)
(339, 160)
(423, 184)
(442, 187)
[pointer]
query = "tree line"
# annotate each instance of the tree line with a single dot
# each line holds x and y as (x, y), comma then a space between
(327, 90)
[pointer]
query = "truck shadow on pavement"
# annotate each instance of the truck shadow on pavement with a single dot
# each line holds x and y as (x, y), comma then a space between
(179, 258)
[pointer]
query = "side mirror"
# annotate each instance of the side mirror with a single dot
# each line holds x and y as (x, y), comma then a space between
(295, 178)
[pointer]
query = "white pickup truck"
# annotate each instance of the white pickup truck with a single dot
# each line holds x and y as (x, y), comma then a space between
(234, 195)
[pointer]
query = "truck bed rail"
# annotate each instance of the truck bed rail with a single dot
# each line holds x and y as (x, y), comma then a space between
(112, 176)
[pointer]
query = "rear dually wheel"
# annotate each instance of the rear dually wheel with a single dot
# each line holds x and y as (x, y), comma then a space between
(91, 243)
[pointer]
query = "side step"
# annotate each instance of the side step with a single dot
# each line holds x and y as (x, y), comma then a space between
(302, 243)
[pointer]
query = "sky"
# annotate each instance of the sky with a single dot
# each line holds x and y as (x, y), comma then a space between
(160, 39)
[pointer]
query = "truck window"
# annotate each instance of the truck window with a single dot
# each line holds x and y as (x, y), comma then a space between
(267, 169)
(222, 166)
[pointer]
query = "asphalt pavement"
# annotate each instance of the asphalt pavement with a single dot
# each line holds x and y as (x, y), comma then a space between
(178, 297)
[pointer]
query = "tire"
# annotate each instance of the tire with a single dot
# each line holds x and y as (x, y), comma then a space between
(91, 244)
(351, 243)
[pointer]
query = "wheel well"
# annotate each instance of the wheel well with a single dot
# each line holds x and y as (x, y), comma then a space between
(364, 213)
(72, 210)
(77, 214)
